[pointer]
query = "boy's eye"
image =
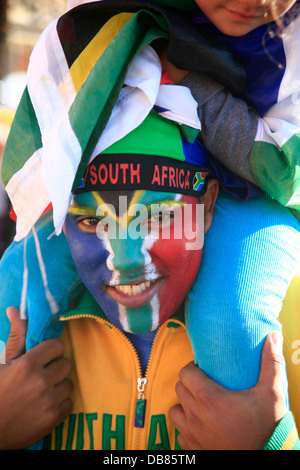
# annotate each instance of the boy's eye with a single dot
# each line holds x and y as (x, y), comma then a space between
(161, 216)
(160, 219)
(88, 224)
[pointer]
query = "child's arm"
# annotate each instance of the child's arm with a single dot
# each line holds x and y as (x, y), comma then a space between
(263, 151)
(228, 125)
(219, 112)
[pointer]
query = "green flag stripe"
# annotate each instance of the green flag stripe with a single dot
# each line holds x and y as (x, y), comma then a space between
(137, 141)
(276, 171)
(21, 144)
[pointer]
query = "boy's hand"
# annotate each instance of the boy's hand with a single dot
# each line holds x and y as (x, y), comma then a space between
(211, 417)
(34, 391)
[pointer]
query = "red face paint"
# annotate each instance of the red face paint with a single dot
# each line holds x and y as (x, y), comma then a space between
(177, 264)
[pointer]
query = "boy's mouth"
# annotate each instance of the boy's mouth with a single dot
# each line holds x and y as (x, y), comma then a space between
(134, 294)
(134, 289)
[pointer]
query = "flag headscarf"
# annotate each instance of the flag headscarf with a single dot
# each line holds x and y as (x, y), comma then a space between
(91, 75)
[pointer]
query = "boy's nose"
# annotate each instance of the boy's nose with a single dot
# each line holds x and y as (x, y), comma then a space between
(127, 255)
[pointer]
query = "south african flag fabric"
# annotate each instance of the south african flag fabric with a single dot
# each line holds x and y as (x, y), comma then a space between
(76, 76)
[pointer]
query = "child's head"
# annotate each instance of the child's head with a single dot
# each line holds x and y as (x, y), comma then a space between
(239, 17)
(138, 250)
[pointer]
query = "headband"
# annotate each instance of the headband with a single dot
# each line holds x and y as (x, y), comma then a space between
(132, 172)
(154, 156)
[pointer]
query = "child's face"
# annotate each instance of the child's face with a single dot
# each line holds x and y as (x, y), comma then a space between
(139, 282)
(239, 17)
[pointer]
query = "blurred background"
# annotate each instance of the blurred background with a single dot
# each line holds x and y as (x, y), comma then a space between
(21, 23)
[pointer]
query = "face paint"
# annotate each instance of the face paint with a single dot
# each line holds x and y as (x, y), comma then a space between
(139, 282)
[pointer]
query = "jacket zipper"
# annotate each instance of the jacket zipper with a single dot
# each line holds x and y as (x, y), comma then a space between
(140, 406)
(141, 402)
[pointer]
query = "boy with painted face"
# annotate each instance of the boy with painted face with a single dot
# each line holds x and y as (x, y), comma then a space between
(139, 279)
(172, 178)
(137, 249)
(136, 236)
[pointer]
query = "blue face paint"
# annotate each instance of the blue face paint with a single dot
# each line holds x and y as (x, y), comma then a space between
(90, 256)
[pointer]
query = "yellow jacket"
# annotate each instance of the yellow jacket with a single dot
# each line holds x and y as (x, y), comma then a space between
(105, 402)
(105, 376)
(290, 320)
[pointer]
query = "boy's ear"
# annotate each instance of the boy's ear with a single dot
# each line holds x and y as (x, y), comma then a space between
(209, 201)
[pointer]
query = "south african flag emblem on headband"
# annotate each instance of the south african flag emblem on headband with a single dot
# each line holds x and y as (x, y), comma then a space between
(199, 180)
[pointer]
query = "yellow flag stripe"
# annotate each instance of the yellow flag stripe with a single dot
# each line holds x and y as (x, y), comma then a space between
(85, 62)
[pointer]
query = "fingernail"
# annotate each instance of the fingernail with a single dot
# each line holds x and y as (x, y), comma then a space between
(8, 313)
(277, 340)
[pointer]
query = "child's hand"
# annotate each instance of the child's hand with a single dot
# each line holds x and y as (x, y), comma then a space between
(177, 75)
(213, 418)
(34, 391)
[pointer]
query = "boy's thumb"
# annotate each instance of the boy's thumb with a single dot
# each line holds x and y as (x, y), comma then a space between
(272, 370)
(15, 345)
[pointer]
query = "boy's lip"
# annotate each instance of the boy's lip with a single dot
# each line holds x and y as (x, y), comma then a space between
(243, 17)
(134, 294)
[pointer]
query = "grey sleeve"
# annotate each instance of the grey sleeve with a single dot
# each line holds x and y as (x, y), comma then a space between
(229, 125)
